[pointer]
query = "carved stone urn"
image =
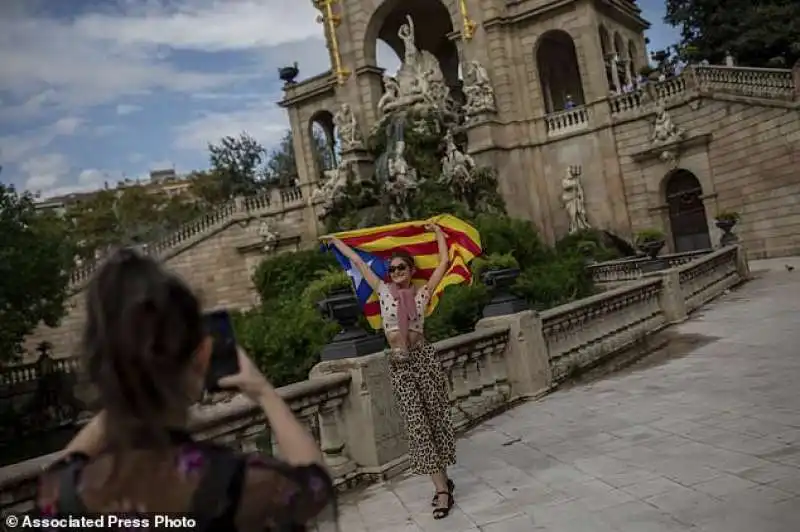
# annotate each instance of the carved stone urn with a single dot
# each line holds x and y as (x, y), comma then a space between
(289, 73)
(726, 225)
(652, 248)
(342, 306)
(503, 302)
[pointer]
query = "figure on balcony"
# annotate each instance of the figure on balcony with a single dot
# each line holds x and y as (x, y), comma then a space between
(149, 352)
(574, 200)
(664, 130)
(350, 137)
(418, 383)
(478, 90)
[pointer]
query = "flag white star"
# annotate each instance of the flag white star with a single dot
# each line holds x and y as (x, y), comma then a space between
(355, 274)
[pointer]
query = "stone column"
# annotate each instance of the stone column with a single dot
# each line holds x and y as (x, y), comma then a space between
(615, 74)
(671, 298)
(374, 432)
(526, 357)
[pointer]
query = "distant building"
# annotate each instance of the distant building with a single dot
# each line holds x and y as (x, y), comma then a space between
(167, 182)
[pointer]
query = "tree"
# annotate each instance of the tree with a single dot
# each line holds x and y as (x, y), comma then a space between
(281, 167)
(35, 262)
(206, 186)
(237, 161)
(758, 34)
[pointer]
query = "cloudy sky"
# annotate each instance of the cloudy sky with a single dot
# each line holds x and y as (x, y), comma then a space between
(99, 90)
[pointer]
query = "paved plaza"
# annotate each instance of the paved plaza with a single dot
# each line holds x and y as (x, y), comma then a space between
(706, 441)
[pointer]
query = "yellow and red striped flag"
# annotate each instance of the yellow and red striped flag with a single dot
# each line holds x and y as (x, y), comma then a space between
(376, 245)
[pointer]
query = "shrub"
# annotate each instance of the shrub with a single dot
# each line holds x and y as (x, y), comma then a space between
(589, 243)
(289, 274)
(324, 286)
(555, 282)
(495, 261)
(503, 235)
(459, 309)
(285, 342)
(649, 235)
(727, 216)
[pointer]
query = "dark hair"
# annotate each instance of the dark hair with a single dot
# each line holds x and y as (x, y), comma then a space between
(143, 326)
(405, 256)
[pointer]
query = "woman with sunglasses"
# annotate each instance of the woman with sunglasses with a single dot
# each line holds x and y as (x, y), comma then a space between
(418, 383)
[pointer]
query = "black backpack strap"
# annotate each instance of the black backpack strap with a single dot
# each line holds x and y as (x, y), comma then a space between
(69, 502)
(217, 496)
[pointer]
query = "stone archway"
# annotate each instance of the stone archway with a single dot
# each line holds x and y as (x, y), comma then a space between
(621, 61)
(559, 73)
(605, 48)
(433, 24)
(687, 213)
(322, 137)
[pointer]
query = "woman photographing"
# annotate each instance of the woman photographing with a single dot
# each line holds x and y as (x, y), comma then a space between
(417, 380)
(147, 352)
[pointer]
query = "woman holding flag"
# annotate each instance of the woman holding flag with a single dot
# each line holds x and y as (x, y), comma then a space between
(418, 383)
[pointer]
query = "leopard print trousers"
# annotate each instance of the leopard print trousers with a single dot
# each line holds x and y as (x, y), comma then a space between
(420, 389)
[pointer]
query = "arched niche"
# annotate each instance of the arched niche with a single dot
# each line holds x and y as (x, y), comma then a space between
(688, 221)
(324, 144)
(559, 73)
(608, 52)
(622, 58)
(433, 23)
(633, 57)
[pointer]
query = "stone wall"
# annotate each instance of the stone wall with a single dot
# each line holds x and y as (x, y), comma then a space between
(217, 258)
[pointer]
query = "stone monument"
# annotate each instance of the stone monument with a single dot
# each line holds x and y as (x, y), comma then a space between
(574, 200)
(348, 130)
(401, 183)
(666, 133)
(458, 169)
(478, 91)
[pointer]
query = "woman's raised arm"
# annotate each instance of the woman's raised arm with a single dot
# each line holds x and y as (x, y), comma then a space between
(444, 258)
(373, 280)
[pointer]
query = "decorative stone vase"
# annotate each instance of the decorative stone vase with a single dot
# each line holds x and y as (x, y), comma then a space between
(652, 248)
(503, 302)
(288, 74)
(726, 226)
(342, 306)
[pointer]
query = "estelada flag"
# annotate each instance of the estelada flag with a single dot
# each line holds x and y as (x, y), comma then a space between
(376, 245)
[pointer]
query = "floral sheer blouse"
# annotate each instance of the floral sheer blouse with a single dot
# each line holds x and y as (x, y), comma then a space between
(264, 492)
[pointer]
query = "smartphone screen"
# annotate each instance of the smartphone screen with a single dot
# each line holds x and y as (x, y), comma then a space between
(224, 358)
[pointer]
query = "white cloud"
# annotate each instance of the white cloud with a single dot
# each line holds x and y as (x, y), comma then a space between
(208, 25)
(15, 148)
(265, 121)
(44, 171)
(126, 109)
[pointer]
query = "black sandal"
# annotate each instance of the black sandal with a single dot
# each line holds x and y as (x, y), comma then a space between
(451, 487)
(441, 513)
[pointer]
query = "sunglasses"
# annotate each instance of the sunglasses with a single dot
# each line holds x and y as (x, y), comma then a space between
(398, 269)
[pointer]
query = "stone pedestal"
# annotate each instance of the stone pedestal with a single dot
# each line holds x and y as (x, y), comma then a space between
(373, 428)
(527, 357)
(360, 162)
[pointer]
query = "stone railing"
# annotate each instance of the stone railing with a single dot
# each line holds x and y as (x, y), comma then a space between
(569, 121)
(317, 403)
(769, 83)
(579, 334)
(704, 279)
(349, 407)
(13, 376)
(476, 370)
(617, 271)
(271, 201)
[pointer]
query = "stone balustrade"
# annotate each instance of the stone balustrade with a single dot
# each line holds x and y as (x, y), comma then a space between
(618, 271)
(568, 121)
(348, 404)
(581, 333)
(272, 201)
(767, 83)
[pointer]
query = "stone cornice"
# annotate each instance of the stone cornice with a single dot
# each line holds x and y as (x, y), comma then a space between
(679, 146)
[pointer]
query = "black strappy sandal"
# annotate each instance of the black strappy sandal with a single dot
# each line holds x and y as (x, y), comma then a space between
(441, 513)
(451, 487)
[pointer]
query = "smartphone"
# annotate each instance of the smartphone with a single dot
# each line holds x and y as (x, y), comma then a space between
(224, 356)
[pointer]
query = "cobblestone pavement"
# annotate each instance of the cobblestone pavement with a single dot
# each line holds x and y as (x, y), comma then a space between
(706, 441)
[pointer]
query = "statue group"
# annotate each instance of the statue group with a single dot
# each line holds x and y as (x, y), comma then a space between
(417, 92)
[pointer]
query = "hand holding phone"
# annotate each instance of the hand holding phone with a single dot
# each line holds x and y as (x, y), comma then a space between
(224, 359)
(249, 380)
